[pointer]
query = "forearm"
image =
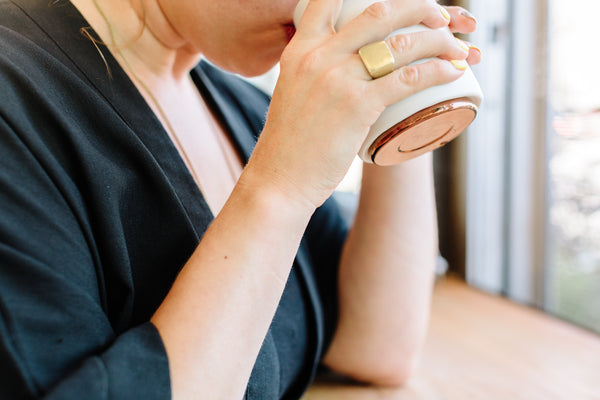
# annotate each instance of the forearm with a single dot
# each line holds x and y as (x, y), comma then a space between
(386, 273)
(215, 317)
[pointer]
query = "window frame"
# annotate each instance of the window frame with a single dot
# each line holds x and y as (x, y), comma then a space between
(507, 157)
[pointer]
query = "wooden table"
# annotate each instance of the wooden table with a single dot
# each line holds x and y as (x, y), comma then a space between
(484, 347)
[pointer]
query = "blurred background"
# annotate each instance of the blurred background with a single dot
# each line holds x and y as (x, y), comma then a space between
(519, 192)
(523, 185)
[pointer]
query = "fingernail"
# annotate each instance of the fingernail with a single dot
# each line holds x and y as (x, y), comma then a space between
(445, 13)
(460, 64)
(462, 44)
(472, 46)
(467, 14)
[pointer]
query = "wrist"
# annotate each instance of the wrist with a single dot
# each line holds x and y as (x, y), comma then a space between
(406, 174)
(273, 197)
(275, 188)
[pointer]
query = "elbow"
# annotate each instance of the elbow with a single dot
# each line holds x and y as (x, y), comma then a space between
(395, 372)
(381, 367)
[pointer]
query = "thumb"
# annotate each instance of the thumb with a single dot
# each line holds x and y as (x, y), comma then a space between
(316, 18)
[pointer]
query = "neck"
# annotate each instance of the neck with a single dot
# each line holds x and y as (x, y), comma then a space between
(141, 37)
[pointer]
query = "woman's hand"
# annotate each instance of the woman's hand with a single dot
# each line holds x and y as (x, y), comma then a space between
(462, 21)
(325, 101)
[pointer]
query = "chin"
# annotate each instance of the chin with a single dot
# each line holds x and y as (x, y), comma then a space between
(253, 72)
(249, 67)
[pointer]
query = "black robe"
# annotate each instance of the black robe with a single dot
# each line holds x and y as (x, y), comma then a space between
(98, 213)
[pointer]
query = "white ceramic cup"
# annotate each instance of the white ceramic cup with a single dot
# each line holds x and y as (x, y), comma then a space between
(422, 122)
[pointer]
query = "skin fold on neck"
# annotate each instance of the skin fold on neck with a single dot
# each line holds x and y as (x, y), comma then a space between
(139, 34)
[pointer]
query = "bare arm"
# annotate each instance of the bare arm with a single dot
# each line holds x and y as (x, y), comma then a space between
(386, 274)
(214, 319)
(388, 263)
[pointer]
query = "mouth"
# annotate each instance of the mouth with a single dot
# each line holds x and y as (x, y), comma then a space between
(290, 30)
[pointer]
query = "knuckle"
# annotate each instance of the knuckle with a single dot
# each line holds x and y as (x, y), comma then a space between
(330, 80)
(409, 75)
(355, 97)
(334, 83)
(309, 61)
(401, 43)
(345, 93)
(414, 78)
(378, 11)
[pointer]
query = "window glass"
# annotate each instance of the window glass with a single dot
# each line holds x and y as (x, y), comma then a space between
(574, 163)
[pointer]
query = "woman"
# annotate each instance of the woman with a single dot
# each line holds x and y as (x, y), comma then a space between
(118, 148)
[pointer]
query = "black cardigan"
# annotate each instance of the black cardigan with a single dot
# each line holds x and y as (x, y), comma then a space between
(98, 213)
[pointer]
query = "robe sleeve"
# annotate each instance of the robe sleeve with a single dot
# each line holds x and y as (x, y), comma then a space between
(56, 339)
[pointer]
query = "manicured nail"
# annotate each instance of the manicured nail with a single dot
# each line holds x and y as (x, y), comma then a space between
(467, 14)
(472, 46)
(462, 44)
(460, 64)
(445, 13)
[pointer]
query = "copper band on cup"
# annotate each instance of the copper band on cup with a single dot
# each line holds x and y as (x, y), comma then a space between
(377, 59)
(424, 131)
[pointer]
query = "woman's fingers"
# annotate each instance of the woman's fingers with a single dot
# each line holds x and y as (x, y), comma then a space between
(408, 48)
(382, 18)
(474, 56)
(411, 79)
(461, 20)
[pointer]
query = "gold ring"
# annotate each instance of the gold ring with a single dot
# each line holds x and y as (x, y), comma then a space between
(377, 59)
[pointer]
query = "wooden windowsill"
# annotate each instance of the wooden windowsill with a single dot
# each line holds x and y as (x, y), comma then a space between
(481, 346)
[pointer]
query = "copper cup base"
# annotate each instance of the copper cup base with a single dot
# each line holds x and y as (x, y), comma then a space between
(424, 131)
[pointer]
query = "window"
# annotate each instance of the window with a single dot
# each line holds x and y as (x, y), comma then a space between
(532, 168)
(533, 157)
(574, 163)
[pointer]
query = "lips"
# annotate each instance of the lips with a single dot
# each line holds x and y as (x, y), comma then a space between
(290, 30)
